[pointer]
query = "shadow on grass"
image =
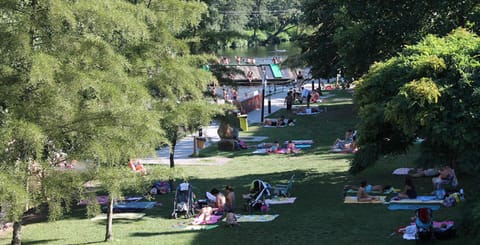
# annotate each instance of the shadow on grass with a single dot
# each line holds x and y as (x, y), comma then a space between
(46, 241)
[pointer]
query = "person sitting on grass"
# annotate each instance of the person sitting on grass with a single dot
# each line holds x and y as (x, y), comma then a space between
(445, 176)
(204, 215)
(362, 195)
(275, 148)
(219, 201)
(291, 148)
(409, 190)
(136, 166)
(346, 144)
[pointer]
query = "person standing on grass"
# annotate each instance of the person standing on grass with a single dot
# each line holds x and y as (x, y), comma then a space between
(289, 100)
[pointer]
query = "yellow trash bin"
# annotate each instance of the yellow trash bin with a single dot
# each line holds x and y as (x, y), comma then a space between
(243, 122)
(201, 142)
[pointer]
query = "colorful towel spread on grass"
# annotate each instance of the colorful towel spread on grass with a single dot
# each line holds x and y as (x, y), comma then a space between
(338, 150)
(131, 216)
(189, 227)
(353, 199)
(256, 218)
(133, 205)
(401, 171)
(396, 206)
(418, 200)
(373, 193)
(300, 142)
(306, 113)
(103, 200)
(213, 220)
(280, 200)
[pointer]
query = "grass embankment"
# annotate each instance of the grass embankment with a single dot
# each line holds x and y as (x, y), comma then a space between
(317, 217)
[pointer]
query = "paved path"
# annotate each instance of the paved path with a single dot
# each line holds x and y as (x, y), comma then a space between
(184, 147)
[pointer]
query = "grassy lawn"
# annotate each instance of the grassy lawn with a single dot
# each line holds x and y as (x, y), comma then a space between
(318, 216)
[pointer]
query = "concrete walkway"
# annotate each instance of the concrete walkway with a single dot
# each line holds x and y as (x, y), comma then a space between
(184, 147)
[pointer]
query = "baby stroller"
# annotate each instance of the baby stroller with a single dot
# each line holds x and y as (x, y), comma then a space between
(424, 224)
(258, 191)
(183, 202)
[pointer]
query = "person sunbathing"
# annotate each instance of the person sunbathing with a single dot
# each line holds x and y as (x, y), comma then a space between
(362, 195)
(204, 215)
(275, 148)
(280, 122)
(291, 148)
(367, 187)
(137, 167)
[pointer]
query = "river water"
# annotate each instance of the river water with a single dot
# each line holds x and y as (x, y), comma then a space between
(262, 54)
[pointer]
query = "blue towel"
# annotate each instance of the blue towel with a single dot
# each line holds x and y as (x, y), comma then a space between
(133, 205)
(398, 206)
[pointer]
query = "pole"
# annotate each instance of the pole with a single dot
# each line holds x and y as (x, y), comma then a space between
(264, 82)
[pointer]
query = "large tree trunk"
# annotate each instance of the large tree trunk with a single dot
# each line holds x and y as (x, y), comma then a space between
(109, 231)
(17, 233)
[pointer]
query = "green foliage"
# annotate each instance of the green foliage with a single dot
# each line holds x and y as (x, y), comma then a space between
(13, 197)
(427, 91)
(353, 35)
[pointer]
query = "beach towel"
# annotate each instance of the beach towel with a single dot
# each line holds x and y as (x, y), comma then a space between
(338, 150)
(130, 216)
(397, 206)
(392, 190)
(103, 200)
(213, 220)
(264, 151)
(401, 171)
(353, 199)
(189, 227)
(256, 218)
(132, 206)
(280, 200)
(299, 142)
(419, 200)
(307, 114)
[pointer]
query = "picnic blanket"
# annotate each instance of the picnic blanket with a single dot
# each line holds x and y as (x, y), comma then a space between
(189, 227)
(280, 200)
(401, 171)
(353, 199)
(132, 206)
(256, 218)
(130, 216)
(419, 200)
(300, 142)
(264, 151)
(396, 206)
(213, 220)
(392, 190)
(306, 113)
(103, 200)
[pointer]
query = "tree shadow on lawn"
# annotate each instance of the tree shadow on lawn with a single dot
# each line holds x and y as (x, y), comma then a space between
(318, 214)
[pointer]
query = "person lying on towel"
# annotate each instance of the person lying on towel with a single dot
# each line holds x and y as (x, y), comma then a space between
(362, 195)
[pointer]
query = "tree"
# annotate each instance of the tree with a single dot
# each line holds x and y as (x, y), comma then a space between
(429, 90)
(355, 34)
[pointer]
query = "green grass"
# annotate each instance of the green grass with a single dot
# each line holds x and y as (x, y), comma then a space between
(317, 217)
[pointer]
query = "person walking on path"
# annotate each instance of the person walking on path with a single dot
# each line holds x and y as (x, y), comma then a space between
(289, 100)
